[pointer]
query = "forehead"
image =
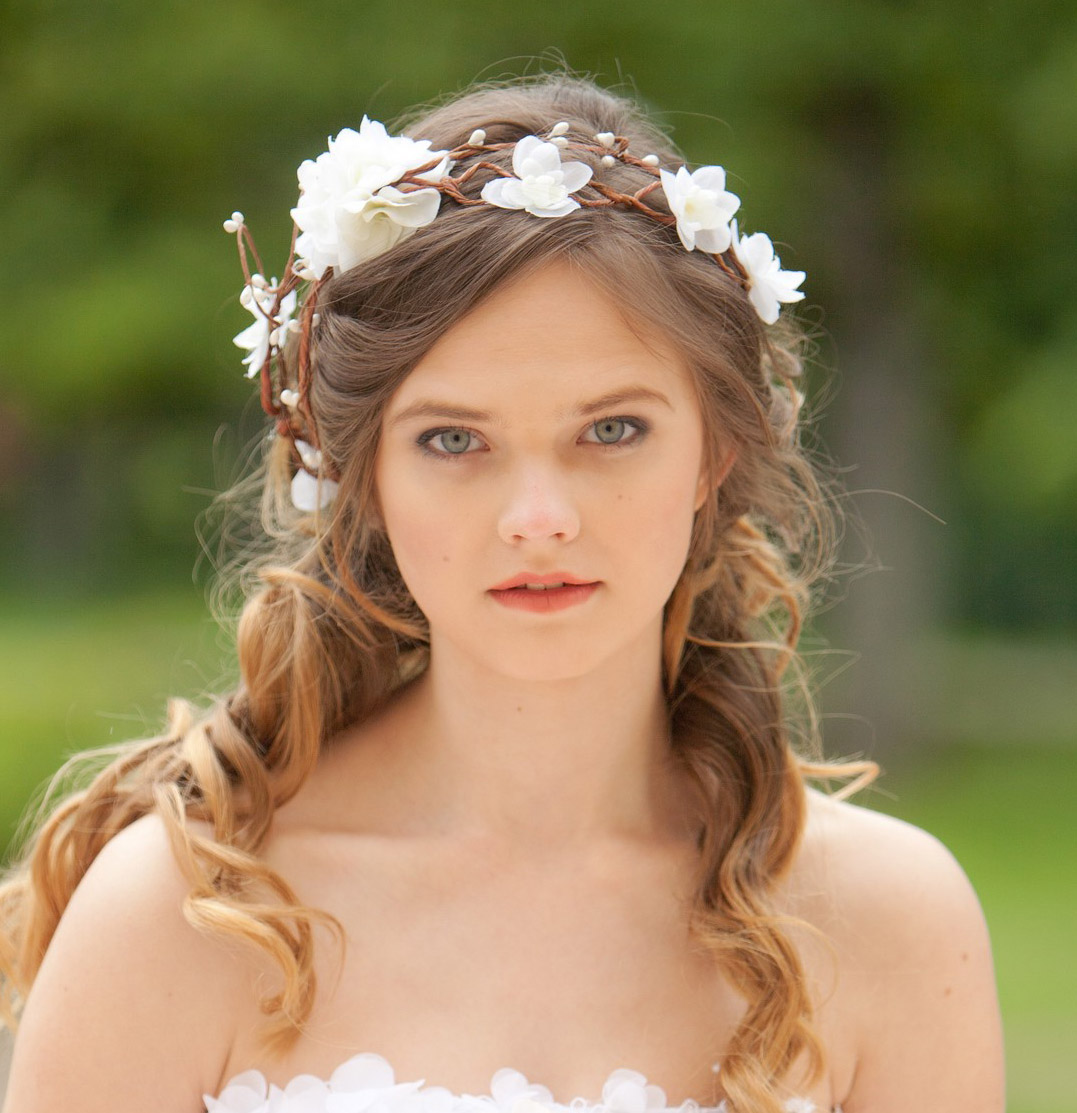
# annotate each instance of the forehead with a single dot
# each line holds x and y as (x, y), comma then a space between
(553, 336)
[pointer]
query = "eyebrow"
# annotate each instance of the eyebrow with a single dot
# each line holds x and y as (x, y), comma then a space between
(606, 402)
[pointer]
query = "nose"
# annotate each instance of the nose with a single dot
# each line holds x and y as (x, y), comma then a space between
(539, 506)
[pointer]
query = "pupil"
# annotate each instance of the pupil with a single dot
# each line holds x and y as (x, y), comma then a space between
(456, 441)
(610, 432)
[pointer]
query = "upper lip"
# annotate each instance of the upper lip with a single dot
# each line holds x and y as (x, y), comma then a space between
(540, 578)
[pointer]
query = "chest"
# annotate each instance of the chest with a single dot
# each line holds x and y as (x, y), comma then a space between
(564, 968)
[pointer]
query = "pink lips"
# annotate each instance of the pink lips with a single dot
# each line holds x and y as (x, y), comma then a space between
(513, 593)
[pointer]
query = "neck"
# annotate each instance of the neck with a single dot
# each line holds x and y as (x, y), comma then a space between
(546, 762)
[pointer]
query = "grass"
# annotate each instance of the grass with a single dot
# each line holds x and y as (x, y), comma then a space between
(72, 677)
(80, 675)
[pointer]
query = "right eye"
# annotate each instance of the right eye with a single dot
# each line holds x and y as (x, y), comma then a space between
(449, 442)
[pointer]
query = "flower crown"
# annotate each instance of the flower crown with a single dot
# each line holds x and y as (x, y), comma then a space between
(370, 190)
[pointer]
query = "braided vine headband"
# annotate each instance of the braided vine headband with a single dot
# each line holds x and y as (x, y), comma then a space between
(370, 190)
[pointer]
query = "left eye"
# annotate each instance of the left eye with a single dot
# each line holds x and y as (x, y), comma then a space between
(612, 430)
(449, 442)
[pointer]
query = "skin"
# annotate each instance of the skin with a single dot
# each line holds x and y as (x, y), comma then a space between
(505, 844)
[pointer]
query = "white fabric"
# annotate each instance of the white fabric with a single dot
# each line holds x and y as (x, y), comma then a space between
(367, 1084)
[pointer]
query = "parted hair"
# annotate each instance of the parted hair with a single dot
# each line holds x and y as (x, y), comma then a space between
(328, 630)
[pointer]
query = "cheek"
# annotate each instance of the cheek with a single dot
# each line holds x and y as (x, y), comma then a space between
(656, 523)
(426, 536)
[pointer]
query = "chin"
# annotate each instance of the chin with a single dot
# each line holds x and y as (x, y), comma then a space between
(562, 656)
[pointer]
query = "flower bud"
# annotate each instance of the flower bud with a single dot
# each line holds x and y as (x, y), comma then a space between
(558, 129)
(311, 457)
(289, 398)
(477, 138)
(559, 141)
(649, 160)
(258, 282)
(231, 227)
(316, 320)
(607, 160)
(605, 138)
(238, 217)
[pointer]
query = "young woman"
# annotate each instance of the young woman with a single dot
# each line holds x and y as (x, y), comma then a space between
(509, 809)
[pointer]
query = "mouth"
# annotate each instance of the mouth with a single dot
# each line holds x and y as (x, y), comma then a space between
(537, 581)
(542, 598)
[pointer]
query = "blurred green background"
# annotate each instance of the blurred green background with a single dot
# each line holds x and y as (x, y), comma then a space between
(918, 160)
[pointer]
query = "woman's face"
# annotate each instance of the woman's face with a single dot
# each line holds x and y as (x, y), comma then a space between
(542, 441)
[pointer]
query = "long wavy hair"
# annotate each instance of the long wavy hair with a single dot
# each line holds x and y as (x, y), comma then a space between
(328, 630)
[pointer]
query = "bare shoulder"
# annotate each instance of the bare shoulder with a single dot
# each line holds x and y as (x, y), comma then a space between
(886, 874)
(128, 1008)
(916, 974)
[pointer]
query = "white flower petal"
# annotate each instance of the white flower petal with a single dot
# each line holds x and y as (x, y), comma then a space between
(545, 209)
(246, 1093)
(310, 493)
(414, 209)
(575, 175)
(714, 240)
(507, 1085)
(363, 1071)
(708, 177)
(532, 156)
(503, 192)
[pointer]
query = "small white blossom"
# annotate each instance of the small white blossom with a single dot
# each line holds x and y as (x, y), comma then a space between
(310, 492)
(508, 1088)
(349, 209)
(311, 457)
(246, 1093)
(543, 182)
(258, 339)
(702, 205)
(628, 1091)
(769, 284)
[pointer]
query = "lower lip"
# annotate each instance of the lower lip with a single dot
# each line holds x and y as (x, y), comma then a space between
(542, 602)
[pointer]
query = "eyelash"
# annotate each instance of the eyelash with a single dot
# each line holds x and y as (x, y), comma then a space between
(641, 429)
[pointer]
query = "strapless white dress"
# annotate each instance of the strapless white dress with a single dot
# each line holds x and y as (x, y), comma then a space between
(367, 1084)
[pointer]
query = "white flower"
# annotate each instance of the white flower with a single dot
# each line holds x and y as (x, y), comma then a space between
(769, 284)
(508, 1088)
(310, 492)
(257, 299)
(628, 1091)
(702, 205)
(246, 1093)
(543, 182)
(348, 209)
